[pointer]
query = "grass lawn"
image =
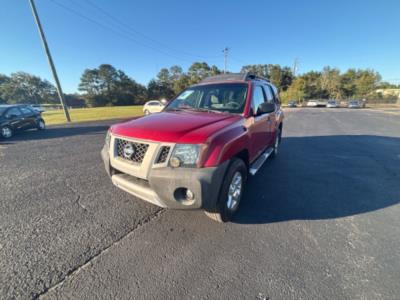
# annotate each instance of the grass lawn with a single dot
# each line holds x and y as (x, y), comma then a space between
(53, 117)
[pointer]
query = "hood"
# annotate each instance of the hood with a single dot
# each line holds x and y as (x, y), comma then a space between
(175, 126)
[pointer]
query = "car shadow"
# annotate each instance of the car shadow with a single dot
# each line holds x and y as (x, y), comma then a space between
(324, 177)
(60, 131)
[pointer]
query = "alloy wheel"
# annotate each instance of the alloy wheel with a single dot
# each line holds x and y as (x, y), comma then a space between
(6, 132)
(235, 191)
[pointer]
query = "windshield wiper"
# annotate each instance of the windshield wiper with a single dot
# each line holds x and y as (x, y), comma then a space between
(173, 109)
(202, 109)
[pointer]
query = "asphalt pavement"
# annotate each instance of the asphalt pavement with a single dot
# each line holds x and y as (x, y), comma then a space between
(322, 220)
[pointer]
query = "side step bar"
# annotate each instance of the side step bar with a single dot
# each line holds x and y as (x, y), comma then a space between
(255, 166)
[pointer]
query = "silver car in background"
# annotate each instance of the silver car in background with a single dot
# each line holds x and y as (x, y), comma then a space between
(332, 104)
(356, 104)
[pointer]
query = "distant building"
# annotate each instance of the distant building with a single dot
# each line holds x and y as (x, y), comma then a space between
(389, 92)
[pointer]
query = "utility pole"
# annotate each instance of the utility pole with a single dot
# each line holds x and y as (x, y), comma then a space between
(295, 66)
(50, 60)
(226, 50)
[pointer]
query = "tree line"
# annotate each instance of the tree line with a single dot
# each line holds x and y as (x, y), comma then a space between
(108, 86)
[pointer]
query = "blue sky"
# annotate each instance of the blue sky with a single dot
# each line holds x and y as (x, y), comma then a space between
(156, 34)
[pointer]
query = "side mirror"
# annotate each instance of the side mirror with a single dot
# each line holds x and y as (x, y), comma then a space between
(265, 107)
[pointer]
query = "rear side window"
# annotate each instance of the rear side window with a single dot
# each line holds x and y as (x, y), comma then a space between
(13, 112)
(26, 111)
(268, 93)
(274, 91)
(258, 97)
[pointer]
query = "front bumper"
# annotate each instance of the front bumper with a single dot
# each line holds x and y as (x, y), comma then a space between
(164, 186)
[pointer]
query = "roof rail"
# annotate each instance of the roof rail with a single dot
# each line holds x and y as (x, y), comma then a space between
(234, 76)
(252, 76)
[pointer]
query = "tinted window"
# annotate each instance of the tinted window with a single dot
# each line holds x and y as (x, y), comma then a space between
(214, 97)
(26, 111)
(258, 97)
(2, 109)
(13, 111)
(268, 93)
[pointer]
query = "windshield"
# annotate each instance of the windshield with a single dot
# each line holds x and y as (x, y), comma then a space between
(229, 98)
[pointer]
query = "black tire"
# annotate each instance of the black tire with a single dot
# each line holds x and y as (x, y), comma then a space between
(224, 213)
(146, 112)
(277, 142)
(41, 125)
(6, 132)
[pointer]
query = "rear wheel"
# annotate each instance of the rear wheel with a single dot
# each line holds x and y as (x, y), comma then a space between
(231, 192)
(146, 112)
(6, 132)
(277, 142)
(41, 125)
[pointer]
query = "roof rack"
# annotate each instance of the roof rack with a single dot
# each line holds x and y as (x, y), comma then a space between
(233, 77)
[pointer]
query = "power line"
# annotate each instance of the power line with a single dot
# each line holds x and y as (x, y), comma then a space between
(131, 29)
(127, 34)
(295, 66)
(225, 51)
(124, 35)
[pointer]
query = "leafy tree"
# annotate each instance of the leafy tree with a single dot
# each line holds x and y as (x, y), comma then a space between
(348, 84)
(198, 71)
(172, 81)
(164, 76)
(22, 87)
(312, 85)
(74, 100)
(106, 85)
(176, 72)
(366, 82)
(330, 82)
(281, 77)
(259, 70)
(158, 90)
(387, 85)
(181, 83)
(296, 91)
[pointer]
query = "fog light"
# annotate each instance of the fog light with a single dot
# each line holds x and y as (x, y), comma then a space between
(175, 162)
(189, 195)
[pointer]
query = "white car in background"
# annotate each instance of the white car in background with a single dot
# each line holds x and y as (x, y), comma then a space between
(316, 103)
(153, 106)
(312, 103)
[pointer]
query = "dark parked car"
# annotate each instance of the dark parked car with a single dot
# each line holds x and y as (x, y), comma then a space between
(19, 117)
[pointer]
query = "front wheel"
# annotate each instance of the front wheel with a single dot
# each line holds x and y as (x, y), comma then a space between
(6, 132)
(41, 125)
(146, 112)
(231, 192)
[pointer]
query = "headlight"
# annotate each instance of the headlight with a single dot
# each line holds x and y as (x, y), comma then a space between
(185, 155)
(108, 139)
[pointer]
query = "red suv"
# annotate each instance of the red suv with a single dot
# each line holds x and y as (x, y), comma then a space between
(198, 152)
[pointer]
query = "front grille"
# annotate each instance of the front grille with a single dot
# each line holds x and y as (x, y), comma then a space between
(162, 157)
(134, 153)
